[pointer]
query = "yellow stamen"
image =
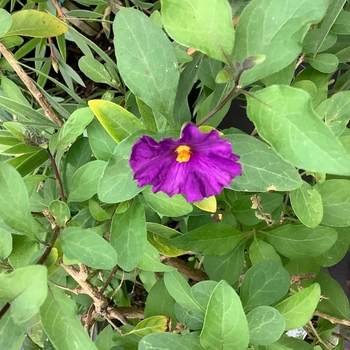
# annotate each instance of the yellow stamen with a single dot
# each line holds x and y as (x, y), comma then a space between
(183, 154)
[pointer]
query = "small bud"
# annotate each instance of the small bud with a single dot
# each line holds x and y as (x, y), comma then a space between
(252, 61)
(225, 75)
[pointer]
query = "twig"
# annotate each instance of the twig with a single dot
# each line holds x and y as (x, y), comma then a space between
(101, 303)
(332, 319)
(119, 286)
(57, 174)
(300, 61)
(219, 106)
(188, 271)
(109, 279)
(317, 336)
(40, 98)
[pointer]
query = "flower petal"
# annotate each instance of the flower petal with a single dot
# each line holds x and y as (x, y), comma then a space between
(210, 167)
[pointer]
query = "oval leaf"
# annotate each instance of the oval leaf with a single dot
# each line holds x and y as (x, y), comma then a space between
(36, 24)
(264, 283)
(298, 309)
(306, 143)
(307, 205)
(261, 167)
(298, 241)
(266, 325)
(14, 203)
(335, 196)
(85, 181)
(212, 239)
(5, 22)
(88, 247)
(220, 329)
(146, 60)
(208, 31)
(116, 120)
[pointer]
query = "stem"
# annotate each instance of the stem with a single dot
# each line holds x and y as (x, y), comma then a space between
(40, 98)
(4, 309)
(57, 174)
(48, 249)
(219, 106)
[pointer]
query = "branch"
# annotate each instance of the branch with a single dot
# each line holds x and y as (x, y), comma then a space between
(332, 319)
(40, 98)
(188, 271)
(101, 303)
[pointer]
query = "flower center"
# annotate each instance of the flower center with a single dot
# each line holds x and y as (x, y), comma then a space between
(183, 154)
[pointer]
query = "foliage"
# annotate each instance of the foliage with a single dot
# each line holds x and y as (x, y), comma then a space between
(80, 239)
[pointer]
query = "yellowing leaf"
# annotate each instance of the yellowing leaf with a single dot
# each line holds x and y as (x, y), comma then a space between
(207, 204)
(116, 120)
(150, 325)
(35, 24)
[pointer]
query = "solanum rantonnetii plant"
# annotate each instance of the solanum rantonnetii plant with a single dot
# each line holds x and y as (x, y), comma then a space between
(132, 220)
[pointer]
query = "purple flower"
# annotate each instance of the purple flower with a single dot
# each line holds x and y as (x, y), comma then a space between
(197, 165)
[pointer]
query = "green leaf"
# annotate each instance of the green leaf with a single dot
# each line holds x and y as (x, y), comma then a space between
(336, 112)
(36, 24)
(225, 267)
(324, 62)
(188, 78)
(250, 210)
(162, 204)
(116, 184)
(331, 15)
(260, 250)
(6, 21)
(146, 60)
(26, 163)
(104, 340)
(150, 260)
(129, 235)
(5, 243)
(22, 251)
(220, 329)
(275, 29)
(14, 203)
(160, 302)
(298, 309)
(26, 290)
(85, 181)
(67, 324)
(298, 241)
(88, 248)
(170, 341)
(150, 325)
(13, 91)
(261, 167)
(11, 334)
(206, 30)
(335, 302)
(94, 70)
(101, 142)
(73, 127)
(307, 205)
(179, 289)
(308, 86)
(341, 23)
(337, 252)
(266, 325)
(23, 111)
(307, 142)
(212, 239)
(335, 196)
(263, 284)
(60, 211)
(116, 120)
